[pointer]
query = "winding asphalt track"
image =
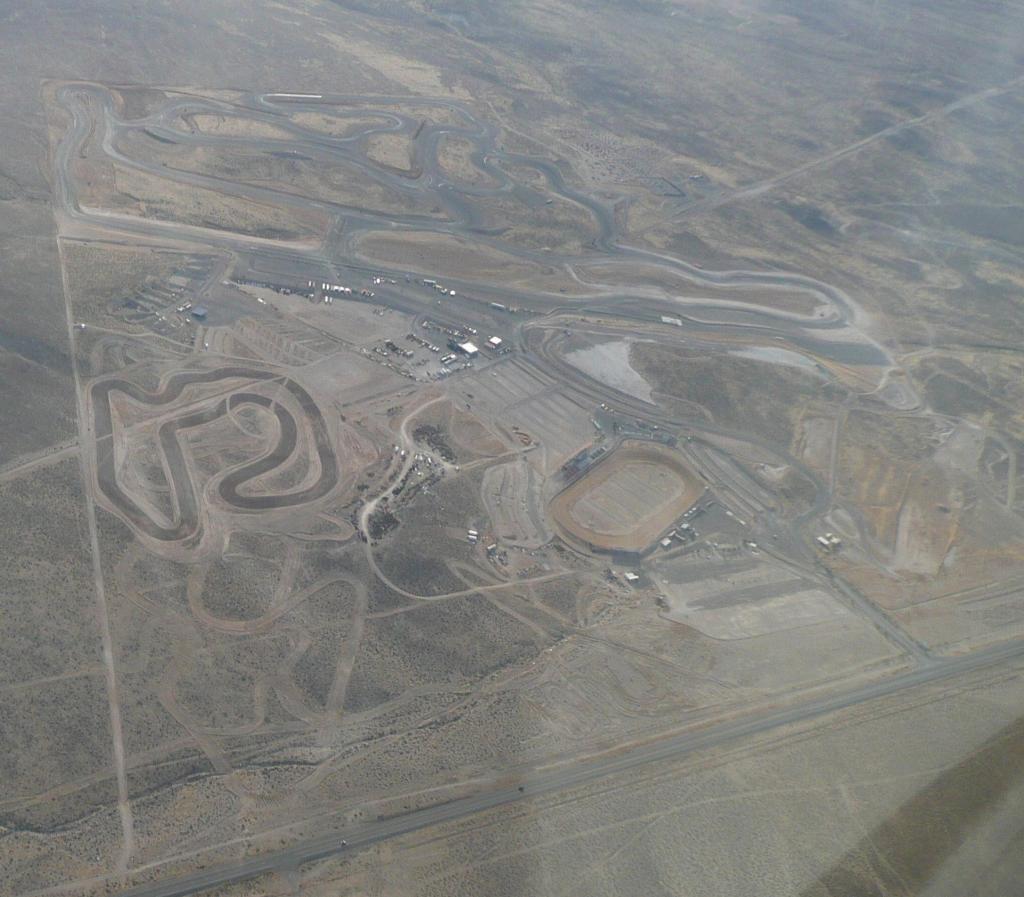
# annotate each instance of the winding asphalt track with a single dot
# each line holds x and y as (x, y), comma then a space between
(91, 108)
(187, 526)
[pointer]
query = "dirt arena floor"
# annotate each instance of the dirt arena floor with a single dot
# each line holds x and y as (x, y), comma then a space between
(628, 499)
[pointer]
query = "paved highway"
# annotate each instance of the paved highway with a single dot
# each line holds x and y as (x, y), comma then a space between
(570, 775)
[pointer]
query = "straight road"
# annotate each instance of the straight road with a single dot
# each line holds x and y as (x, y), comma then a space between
(761, 187)
(547, 781)
(46, 458)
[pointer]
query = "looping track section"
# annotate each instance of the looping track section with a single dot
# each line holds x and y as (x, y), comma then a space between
(166, 419)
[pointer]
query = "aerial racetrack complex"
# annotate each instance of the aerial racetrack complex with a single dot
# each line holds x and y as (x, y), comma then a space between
(434, 460)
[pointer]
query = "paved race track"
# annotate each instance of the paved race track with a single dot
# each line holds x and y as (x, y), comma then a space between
(460, 205)
(187, 525)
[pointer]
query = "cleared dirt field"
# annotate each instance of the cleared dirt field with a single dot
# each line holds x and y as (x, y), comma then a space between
(628, 499)
(511, 494)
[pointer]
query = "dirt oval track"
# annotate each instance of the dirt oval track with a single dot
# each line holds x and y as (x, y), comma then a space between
(626, 500)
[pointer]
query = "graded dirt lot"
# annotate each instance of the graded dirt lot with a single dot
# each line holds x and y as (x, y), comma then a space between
(627, 499)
